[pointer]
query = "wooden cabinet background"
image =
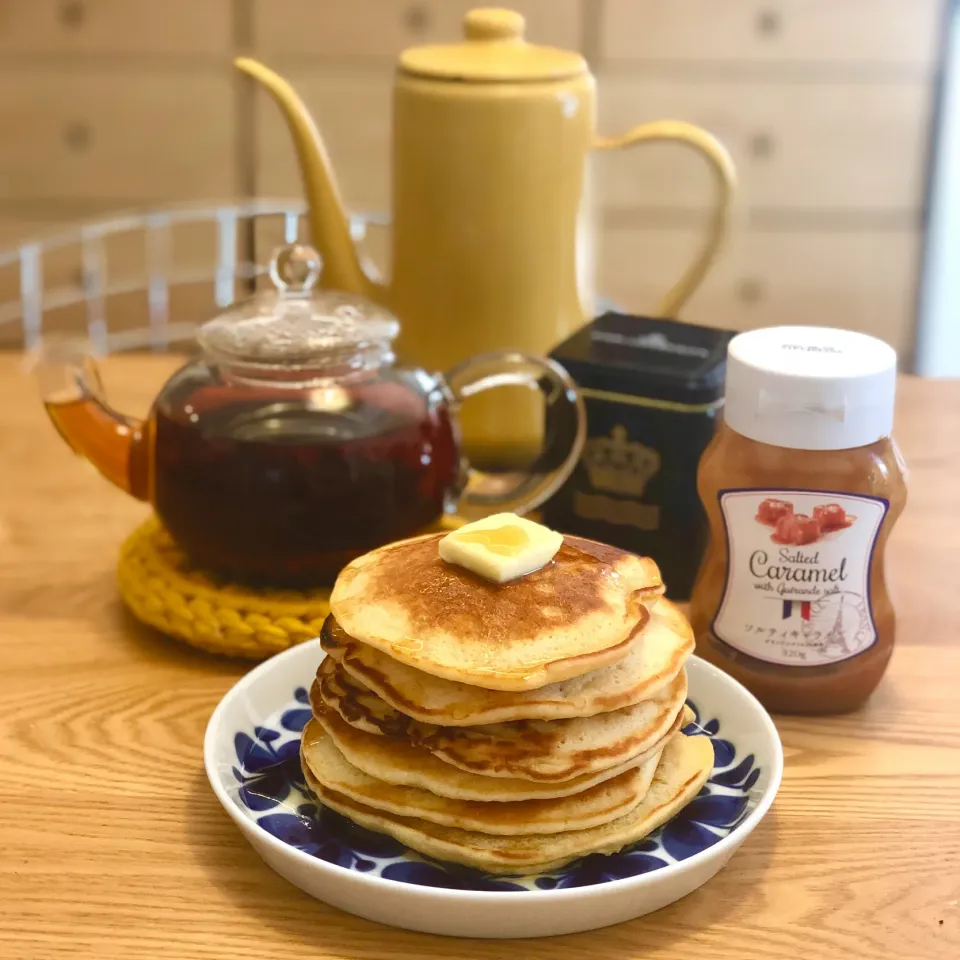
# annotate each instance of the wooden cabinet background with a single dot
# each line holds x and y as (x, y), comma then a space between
(826, 106)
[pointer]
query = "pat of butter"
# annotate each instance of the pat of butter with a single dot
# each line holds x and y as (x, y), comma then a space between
(502, 547)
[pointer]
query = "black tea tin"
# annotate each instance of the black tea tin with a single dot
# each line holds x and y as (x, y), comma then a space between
(653, 390)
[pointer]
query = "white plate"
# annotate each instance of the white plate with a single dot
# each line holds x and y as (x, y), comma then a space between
(251, 758)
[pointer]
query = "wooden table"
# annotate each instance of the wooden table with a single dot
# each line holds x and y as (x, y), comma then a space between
(112, 844)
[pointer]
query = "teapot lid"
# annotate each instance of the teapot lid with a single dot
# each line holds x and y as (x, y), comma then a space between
(295, 328)
(493, 51)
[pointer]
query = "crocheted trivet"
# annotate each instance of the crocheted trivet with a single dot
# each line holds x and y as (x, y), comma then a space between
(162, 589)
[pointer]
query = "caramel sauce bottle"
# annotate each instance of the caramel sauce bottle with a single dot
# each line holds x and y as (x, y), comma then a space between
(801, 484)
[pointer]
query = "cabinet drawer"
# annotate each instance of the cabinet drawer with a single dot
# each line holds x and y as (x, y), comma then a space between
(856, 280)
(777, 31)
(84, 133)
(796, 145)
(382, 28)
(352, 112)
(181, 27)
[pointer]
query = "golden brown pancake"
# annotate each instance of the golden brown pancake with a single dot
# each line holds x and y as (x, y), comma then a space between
(574, 615)
(323, 762)
(542, 750)
(400, 762)
(358, 705)
(684, 766)
(656, 655)
(556, 750)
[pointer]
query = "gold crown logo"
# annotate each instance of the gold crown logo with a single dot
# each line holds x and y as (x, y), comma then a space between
(619, 465)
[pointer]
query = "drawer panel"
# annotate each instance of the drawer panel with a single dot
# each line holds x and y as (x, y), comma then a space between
(775, 31)
(116, 136)
(857, 280)
(352, 111)
(796, 145)
(382, 28)
(127, 27)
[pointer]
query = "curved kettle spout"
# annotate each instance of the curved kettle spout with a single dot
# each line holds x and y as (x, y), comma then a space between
(329, 227)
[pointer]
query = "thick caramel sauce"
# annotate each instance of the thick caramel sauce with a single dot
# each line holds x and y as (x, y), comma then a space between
(734, 463)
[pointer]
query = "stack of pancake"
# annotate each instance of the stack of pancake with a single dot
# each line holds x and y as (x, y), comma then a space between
(510, 727)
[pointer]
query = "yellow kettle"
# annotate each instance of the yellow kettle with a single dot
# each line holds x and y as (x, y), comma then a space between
(490, 144)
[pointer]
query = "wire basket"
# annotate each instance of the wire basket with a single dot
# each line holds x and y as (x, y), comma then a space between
(146, 279)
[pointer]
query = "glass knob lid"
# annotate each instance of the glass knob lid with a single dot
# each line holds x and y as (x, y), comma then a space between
(299, 325)
(295, 269)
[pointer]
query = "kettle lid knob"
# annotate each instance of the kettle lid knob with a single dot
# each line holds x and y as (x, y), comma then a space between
(494, 52)
(493, 23)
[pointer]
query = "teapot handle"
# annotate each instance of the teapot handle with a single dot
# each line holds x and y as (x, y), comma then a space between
(725, 180)
(118, 446)
(565, 431)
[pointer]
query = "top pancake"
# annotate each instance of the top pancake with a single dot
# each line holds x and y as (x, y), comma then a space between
(574, 615)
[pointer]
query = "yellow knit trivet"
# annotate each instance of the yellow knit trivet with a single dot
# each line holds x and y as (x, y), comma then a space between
(162, 589)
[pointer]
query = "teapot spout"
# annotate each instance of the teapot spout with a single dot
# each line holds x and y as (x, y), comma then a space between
(329, 227)
(120, 447)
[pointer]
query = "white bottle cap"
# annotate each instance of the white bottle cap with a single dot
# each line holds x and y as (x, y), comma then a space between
(810, 388)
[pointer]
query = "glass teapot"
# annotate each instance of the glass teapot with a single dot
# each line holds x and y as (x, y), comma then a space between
(293, 443)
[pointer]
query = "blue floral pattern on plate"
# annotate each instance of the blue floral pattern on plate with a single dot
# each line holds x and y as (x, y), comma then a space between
(271, 789)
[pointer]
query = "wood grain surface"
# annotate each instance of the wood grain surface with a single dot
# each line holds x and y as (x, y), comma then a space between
(113, 846)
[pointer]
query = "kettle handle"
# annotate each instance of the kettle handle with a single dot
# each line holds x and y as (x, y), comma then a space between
(725, 180)
(565, 417)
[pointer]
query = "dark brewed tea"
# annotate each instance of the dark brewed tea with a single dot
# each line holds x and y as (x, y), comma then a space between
(280, 487)
(317, 481)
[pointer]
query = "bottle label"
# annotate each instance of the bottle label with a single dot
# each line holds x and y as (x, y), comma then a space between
(798, 576)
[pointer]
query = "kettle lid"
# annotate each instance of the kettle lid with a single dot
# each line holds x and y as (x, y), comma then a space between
(493, 50)
(295, 325)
